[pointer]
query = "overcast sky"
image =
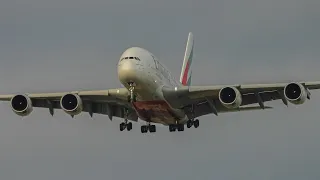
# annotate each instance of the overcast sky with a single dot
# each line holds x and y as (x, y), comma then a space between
(75, 45)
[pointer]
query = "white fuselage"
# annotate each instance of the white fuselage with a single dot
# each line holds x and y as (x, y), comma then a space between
(139, 66)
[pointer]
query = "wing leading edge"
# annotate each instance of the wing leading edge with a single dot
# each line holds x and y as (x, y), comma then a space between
(207, 99)
(111, 102)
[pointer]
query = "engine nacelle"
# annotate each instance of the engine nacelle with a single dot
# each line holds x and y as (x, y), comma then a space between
(21, 104)
(295, 93)
(71, 104)
(230, 97)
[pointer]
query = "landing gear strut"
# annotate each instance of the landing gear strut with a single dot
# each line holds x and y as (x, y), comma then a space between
(193, 122)
(149, 127)
(126, 125)
(132, 96)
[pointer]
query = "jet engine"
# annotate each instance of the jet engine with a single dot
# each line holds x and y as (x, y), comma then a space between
(230, 97)
(295, 93)
(71, 104)
(21, 105)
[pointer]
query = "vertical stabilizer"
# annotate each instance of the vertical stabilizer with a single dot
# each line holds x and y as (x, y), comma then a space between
(186, 73)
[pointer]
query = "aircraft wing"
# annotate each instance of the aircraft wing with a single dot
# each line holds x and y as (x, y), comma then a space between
(111, 102)
(205, 99)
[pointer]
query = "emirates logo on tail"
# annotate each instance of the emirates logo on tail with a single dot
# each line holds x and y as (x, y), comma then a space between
(185, 77)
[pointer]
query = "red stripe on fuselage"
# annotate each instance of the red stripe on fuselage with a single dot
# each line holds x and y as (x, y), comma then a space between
(185, 74)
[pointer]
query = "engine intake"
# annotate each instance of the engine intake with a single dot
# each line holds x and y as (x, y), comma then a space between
(21, 105)
(295, 93)
(230, 97)
(71, 104)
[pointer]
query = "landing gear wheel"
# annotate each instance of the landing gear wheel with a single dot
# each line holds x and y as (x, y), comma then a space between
(172, 127)
(196, 123)
(152, 128)
(144, 129)
(125, 125)
(180, 127)
(189, 123)
(129, 126)
(122, 126)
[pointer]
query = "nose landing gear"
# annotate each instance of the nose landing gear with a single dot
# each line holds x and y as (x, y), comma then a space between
(132, 97)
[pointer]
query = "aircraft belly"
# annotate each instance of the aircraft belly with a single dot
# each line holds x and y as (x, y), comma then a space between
(157, 111)
(150, 105)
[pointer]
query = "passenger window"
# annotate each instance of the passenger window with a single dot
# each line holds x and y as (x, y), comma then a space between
(155, 62)
(126, 58)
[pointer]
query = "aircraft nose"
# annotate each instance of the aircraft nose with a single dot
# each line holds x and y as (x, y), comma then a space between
(127, 71)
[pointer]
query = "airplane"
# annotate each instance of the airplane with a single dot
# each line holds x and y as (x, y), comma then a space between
(152, 94)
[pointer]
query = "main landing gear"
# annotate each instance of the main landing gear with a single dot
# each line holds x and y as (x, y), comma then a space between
(192, 122)
(177, 126)
(174, 127)
(180, 127)
(149, 127)
(126, 125)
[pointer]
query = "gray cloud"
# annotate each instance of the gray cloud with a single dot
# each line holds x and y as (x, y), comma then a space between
(67, 45)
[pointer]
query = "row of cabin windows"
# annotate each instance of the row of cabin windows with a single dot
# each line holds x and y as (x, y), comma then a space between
(161, 68)
(136, 58)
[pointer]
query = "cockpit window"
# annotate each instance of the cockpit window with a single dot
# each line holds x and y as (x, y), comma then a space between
(136, 58)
